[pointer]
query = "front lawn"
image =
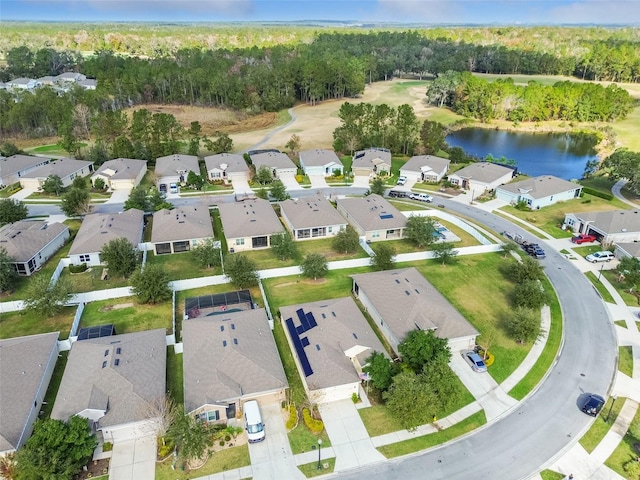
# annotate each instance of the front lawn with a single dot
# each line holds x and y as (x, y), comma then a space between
(127, 315)
(627, 449)
(181, 265)
(21, 323)
(228, 459)
(311, 469)
(600, 427)
(302, 439)
(175, 375)
(622, 288)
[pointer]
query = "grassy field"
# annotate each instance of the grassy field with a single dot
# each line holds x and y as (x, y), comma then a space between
(227, 459)
(310, 470)
(622, 288)
(626, 451)
(181, 265)
(627, 130)
(128, 315)
(175, 385)
(18, 324)
(90, 280)
(302, 439)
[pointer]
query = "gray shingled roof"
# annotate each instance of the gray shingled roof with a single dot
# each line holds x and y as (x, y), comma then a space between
(250, 218)
(318, 158)
(417, 162)
(172, 164)
(370, 157)
(62, 167)
(272, 160)
(485, 172)
(17, 163)
(182, 223)
(311, 212)
(26, 238)
(540, 187)
(248, 364)
(632, 249)
(372, 212)
(340, 327)
(613, 221)
(121, 168)
(98, 229)
(234, 162)
(23, 361)
(124, 390)
(405, 299)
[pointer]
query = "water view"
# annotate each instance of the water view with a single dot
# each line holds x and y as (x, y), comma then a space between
(559, 154)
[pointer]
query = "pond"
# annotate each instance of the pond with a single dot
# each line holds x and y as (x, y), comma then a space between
(561, 154)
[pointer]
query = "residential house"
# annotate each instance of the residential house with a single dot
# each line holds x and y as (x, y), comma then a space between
(613, 226)
(22, 84)
(480, 177)
(98, 229)
(373, 217)
(121, 173)
(425, 168)
(175, 169)
(13, 168)
(114, 382)
(230, 358)
(65, 168)
(47, 80)
(227, 167)
(180, 229)
(539, 191)
(71, 77)
(26, 366)
(402, 300)
(279, 163)
(311, 218)
(331, 341)
(249, 225)
(371, 162)
(629, 250)
(320, 162)
(88, 84)
(31, 243)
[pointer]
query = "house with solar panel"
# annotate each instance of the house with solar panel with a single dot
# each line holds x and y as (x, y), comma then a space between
(371, 162)
(373, 217)
(180, 229)
(331, 341)
(230, 356)
(402, 300)
(249, 225)
(311, 218)
(113, 381)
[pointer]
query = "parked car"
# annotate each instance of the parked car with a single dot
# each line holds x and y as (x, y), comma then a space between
(474, 360)
(423, 197)
(173, 188)
(583, 238)
(603, 256)
(538, 253)
(593, 405)
(397, 193)
(402, 180)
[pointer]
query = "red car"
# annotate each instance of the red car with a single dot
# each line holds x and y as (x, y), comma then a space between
(583, 238)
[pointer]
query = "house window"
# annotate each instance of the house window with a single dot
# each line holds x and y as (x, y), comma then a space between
(329, 229)
(318, 232)
(215, 174)
(84, 258)
(239, 241)
(551, 198)
(213, 416)
(181, 246)
(303, 233)
(375, 235)
(454, 181)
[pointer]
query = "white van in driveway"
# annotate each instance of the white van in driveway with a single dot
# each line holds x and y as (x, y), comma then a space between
(253, 422)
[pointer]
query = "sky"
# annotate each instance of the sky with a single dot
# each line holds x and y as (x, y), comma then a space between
(512, 12)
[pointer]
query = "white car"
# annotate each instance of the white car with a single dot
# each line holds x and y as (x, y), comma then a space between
(423, 197)
(402, 180)
(603, 256)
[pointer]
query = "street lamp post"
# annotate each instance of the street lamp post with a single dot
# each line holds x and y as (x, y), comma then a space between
(319, 447)
(614, 398)
(600, 272)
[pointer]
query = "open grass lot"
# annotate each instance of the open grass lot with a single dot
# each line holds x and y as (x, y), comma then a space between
(52, 149)
(600, 427)
(625, 360)
(550, 218)
(302, 439)
(626, 450)
(90, 280)
(54, 384)
(227, 459)
(132, 317)
(604, 293)
(311, 469)
(22, 323)
(427, 441)
(181, 265)
(622, 288)
(175, 385)
(627, 130)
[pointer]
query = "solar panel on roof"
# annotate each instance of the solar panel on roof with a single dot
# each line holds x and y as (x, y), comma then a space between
(311, 320)
(385, 216)
(305, 341)
(97, 331)
(303, 319)
(302, 356)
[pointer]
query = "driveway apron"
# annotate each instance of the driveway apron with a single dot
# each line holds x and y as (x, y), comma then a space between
(241, 186)
(318, 181)
(289, 181)
(360, 181)
(134, 459)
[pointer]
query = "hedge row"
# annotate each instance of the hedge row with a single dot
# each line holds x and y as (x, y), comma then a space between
(293, 417)
(316, 426)
(597, 193)
(78, 268)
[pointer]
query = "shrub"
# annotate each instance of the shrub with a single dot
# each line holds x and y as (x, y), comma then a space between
(165, 447)
(107, 447)
(227, 438)
(299, 178)
(597, 193)
(355, 397)
(316, 426)
(221, 443)
(293, 417)
(490, 357)
(78, 268)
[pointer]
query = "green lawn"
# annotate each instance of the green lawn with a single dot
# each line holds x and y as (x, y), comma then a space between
(181, 265)
(302, 439)
(133, 317)
(600, 428)
(625, 360)
(18, 324)
(175, 385)
(604, 293)
(626, 130)
(90, 280)
(427, 441)
(588, 250)
(54, 384)
(10, 190)
(621, 323)
(622, 288)
(311, 469)
(551, 475)
(53, 149)
(626, 452)
(227, 459)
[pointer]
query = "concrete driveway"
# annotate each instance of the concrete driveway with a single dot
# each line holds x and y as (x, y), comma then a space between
(119, 196)
(289, 181)
(241, 186)
(318, 181)
(272, 459)
(361, 181)
(134, 459)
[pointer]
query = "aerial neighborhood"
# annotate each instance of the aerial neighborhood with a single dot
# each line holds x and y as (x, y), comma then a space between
(235, 296)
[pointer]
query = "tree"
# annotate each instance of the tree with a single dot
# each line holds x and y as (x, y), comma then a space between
(80, 182)
(293, 145)
(8, 274)
(410, 400)
(378, 186)
(433, 135)
(12, 211)
(444, 252)
(8, 467)
(383, 257)
(120, 256)
(443, 383)
(99, 184)
(8, 149)
(138, 198)
(222, 144)
(278, 191)
(163, 410)
(524, 325)
(241, 270)
(508, 247)
(195, 180)
(420, 230)
(530, 294)
(151, 284)
(629, 270)
(284, 246)
(264, 175)
(314, 266)
(47, 298)
(623, 164)
(381, 370)
(207, 255)
(422, 347)
(194, 133)
(56, 450)
(75, 202)
(53, 185)
(191, 437)
(527, 269)
(346, 241)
